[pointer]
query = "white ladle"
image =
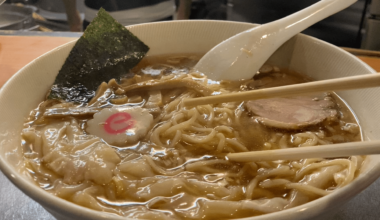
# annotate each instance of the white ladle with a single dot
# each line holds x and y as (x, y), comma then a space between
(241, 56)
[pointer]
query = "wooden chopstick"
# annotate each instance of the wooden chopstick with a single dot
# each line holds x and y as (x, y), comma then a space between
(323, 151)
(346, 83)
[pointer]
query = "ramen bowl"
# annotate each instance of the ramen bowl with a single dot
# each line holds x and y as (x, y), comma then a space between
(317, 59)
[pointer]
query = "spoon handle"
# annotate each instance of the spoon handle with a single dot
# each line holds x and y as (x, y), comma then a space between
(240, 56)
(297, 22)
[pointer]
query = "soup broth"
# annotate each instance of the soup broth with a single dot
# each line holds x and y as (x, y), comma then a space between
(170, 161)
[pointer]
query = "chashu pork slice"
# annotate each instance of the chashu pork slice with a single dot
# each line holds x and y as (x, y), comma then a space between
(292, 113)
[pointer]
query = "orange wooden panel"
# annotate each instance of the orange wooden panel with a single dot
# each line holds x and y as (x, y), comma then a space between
(373, 62)
(17, 51)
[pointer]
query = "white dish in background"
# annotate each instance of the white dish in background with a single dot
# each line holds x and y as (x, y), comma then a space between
(303, 54)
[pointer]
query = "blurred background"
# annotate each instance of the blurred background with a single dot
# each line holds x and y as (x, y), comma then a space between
(357, 26)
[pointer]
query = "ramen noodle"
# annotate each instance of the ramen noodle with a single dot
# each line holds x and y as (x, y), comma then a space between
(134, 150)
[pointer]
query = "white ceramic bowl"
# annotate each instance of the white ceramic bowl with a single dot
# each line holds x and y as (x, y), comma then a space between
(302, 53)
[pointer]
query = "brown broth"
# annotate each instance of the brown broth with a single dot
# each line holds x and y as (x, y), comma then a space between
(128, 194)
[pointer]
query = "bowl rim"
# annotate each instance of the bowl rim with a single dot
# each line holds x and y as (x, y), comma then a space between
(52, 202)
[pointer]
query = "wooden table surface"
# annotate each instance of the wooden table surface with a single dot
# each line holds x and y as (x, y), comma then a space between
(17, 51)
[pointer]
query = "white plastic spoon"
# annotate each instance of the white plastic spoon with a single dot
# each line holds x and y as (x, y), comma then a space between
(241, 56)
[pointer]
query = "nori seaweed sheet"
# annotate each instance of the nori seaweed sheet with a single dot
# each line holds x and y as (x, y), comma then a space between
(106, 50)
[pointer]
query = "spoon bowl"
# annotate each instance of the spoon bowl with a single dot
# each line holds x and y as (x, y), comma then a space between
(241, 56)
